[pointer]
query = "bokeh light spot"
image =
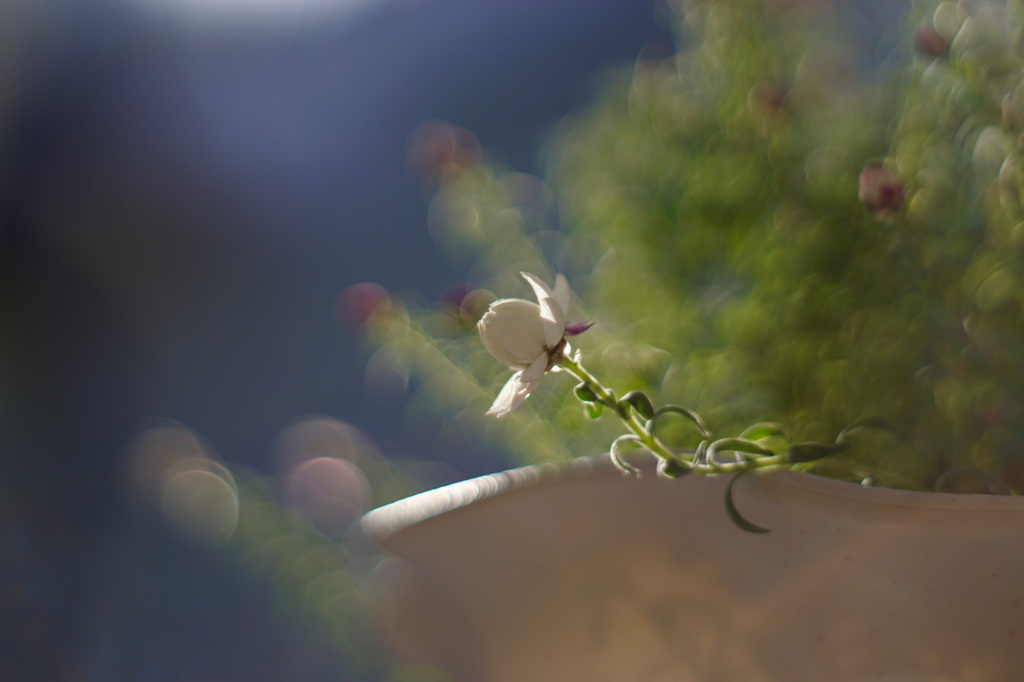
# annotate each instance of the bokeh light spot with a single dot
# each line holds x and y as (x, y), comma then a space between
(156, 451)
(330, 493)
(202, 504)
(314, 436)
(359, 302)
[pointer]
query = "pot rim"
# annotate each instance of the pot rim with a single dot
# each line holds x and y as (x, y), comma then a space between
(391, 518)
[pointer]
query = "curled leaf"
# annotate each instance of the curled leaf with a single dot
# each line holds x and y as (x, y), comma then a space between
(616, 455)
(673, 468)
(700, 455)
(877, 423)
(763, 430)
(640, 402)
(740, 445)
(733, 512)
(585, 393)
(685, 412)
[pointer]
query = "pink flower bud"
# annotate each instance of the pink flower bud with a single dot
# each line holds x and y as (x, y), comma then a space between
(437, 150)
(360, 302)
(880, 191)
(929, 43)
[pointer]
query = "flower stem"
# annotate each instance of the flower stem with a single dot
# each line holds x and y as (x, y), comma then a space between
(607, 397)
(641, 429)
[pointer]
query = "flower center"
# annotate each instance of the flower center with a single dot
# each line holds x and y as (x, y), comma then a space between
(555, 354)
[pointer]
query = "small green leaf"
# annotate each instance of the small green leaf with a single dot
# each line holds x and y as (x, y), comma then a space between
(585, 393)
(764, 430)
(594, 410)
(640, 402)
(733, 512)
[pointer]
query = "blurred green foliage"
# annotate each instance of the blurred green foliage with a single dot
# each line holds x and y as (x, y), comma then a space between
(711, 211)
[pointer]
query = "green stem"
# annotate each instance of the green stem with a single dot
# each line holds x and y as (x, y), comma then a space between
(740, 467)
(639, 428)
(628, 417)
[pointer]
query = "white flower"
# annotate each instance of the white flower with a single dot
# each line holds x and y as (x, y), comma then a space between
(528, 337)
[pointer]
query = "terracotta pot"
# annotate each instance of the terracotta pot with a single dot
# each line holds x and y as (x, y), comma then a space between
(586, 575)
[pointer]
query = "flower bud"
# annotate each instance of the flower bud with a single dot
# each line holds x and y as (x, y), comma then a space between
(577, 326)
(880, 191)
(511, 331)
(528, 337)
(767, 99)
(360, 302)
(929, 43)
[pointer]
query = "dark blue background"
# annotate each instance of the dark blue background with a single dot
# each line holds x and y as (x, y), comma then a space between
(182, 207)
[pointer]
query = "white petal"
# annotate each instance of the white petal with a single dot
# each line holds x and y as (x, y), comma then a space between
(535, 372)
(509, 398)
(518, 388)
(562, 294)
(512, 331)
(552, 317)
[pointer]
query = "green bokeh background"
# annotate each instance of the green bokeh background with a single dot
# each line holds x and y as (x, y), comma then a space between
(706, 210)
